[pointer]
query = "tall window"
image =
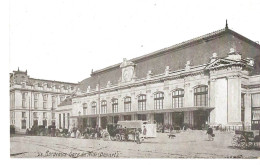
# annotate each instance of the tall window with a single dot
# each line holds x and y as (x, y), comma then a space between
(103, 106)
(35, 100)
(44, 122)
(242, 107)
(23, 114)
(158, 100)
(64, 117)
(60, 121)
(61, 98)
(94, 107)
(45, 97)
(255, 110)
(44, 114)
(115, 105)
(53, 102)
(177, 98)
(127, 104)
(68, 118)
(85, 107)
(35, 115)
(23, 124)
(201, 96)
(24, 100)
(141, 102)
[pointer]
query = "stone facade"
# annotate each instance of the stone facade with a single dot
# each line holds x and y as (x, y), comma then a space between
(213, 89)
(33, 101)
(213, 79)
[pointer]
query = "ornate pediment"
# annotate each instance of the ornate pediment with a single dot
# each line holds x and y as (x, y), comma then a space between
(225, 62)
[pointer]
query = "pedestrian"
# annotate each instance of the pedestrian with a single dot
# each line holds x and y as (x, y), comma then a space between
(210, 134)
(144, 132)
(137, 135)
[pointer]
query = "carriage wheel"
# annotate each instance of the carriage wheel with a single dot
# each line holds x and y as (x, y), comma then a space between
(251, 145)
(105, 136)
(235, 141)
(122, 137)
(243, 142)
(113, 138)
(118, 137)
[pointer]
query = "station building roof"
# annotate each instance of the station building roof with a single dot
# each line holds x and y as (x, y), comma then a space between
(198, 51)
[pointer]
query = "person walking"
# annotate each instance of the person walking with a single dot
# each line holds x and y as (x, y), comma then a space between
(137, 135)
(210, 134)
(144, 132)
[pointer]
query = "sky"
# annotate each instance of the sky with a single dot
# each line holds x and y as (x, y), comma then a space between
(64, 40)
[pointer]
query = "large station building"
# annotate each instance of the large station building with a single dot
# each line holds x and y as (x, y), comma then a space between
(212, 79)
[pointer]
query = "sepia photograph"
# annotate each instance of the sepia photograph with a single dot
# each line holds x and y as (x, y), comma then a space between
(96, 79)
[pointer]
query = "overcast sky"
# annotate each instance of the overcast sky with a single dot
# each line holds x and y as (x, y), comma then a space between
(64, 39)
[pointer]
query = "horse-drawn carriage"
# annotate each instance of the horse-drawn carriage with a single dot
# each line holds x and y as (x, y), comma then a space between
(126, 130)
(245, 139)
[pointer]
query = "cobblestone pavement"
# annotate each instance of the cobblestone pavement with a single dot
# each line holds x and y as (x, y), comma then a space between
(189, 144)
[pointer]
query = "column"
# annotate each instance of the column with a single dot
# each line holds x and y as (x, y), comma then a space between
(248, 110)
(212, 101)
(234, 99)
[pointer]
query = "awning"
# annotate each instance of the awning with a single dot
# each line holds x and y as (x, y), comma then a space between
(183, 109)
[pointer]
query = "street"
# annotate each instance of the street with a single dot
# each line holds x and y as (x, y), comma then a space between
(189, 144)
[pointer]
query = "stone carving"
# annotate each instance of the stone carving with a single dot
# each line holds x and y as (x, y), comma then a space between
(187, 66)
(149, 74)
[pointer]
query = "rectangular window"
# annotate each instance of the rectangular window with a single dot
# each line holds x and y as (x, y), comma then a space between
(23, 104)
(142, 102)
(23, 114)
(44, 122)
(23, 124)
(68, 118)
(44, 115)
(45, 97)
(64, 120)
(35, 122)
(35, 115)
(44, 105)
(35, 104)
(60, 121)
(242, 107)
(115, 105)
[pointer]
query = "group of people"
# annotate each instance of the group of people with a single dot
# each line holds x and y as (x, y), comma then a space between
(138, 134)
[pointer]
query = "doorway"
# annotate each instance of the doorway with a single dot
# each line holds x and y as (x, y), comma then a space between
(200, 119)
(127, 117)
(93, 122)
(178, 119)
(141, 117)
(103, 122)
(159, 118)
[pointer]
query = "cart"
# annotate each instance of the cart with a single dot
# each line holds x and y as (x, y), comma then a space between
(126, 130)
(245, 139)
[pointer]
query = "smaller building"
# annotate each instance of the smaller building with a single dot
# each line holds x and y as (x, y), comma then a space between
(34, 101)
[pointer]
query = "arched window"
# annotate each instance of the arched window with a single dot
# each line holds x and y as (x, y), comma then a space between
(127, 104)
(114, 105)
(85, 107)
(201, 96)
(103, 106)
(158, 100)
(94, 107)
(177, 98)
(141, 102)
